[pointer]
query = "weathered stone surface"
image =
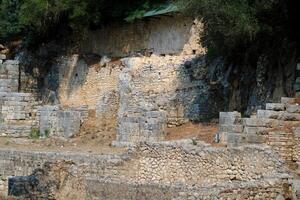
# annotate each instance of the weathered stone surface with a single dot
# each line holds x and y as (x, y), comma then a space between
(261, 122)
(275, 106)
(269, 114)
(230, 118)
(232, 139)
(293, 108)
(59, 122)
(17, 114)
(287, 100)
(231, 128)
(173, 164)
(2, 57)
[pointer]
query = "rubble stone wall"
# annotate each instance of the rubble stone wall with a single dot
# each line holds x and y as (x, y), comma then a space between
(165, 164)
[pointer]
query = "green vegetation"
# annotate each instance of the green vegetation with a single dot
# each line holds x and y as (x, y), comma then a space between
(34, 134)
(243, 30)
(41, 18)
(47, 133)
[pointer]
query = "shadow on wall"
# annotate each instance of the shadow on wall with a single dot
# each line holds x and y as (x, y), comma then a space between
(201, 94)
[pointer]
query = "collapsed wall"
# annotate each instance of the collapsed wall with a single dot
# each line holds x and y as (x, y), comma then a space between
(174, 170)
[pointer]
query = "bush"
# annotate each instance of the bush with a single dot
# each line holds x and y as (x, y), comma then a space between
(242, 30)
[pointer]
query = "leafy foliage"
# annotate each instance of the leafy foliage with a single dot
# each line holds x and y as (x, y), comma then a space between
(41, 17)
(242, 29)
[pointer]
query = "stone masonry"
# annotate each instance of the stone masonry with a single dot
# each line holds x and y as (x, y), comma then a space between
(61, 122)
(277, 126)
(175, 170)
(17, 110)
(156, 92)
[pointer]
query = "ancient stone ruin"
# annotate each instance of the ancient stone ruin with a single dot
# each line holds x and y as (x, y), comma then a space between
(138, 93)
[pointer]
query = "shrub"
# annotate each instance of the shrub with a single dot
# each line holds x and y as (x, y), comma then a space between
(34, 134)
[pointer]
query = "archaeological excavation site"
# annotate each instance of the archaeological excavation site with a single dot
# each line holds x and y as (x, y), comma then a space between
(145, 109)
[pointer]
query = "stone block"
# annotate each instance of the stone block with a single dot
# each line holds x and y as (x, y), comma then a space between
(269, 114)
(231, 128)
(232, 139)
(261, 122)
(275, 106)
(297, 87)
(255, 139)
(256, 130)
(288, 100)
(296, 131)
(291, 116)
(229, 118)
(2, 57)
(294, 108)
(68, 123)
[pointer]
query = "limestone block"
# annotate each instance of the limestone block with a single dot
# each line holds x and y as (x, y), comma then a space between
(275, 106)
(229, 118)
(269, 114)
(291, 116)
(287, 100)
(68, 123)
(261, 122)
(255, 139)
(232, 139)
(297, 131)
(231, 128)
(294, 108)
(256, 130)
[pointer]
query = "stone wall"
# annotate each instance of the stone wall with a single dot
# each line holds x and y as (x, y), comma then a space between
(181, 166)
(17, 110)
(277, 126)
(9, 76)
(160, 91)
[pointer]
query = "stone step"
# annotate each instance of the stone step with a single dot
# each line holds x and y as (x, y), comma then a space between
(275, 106)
